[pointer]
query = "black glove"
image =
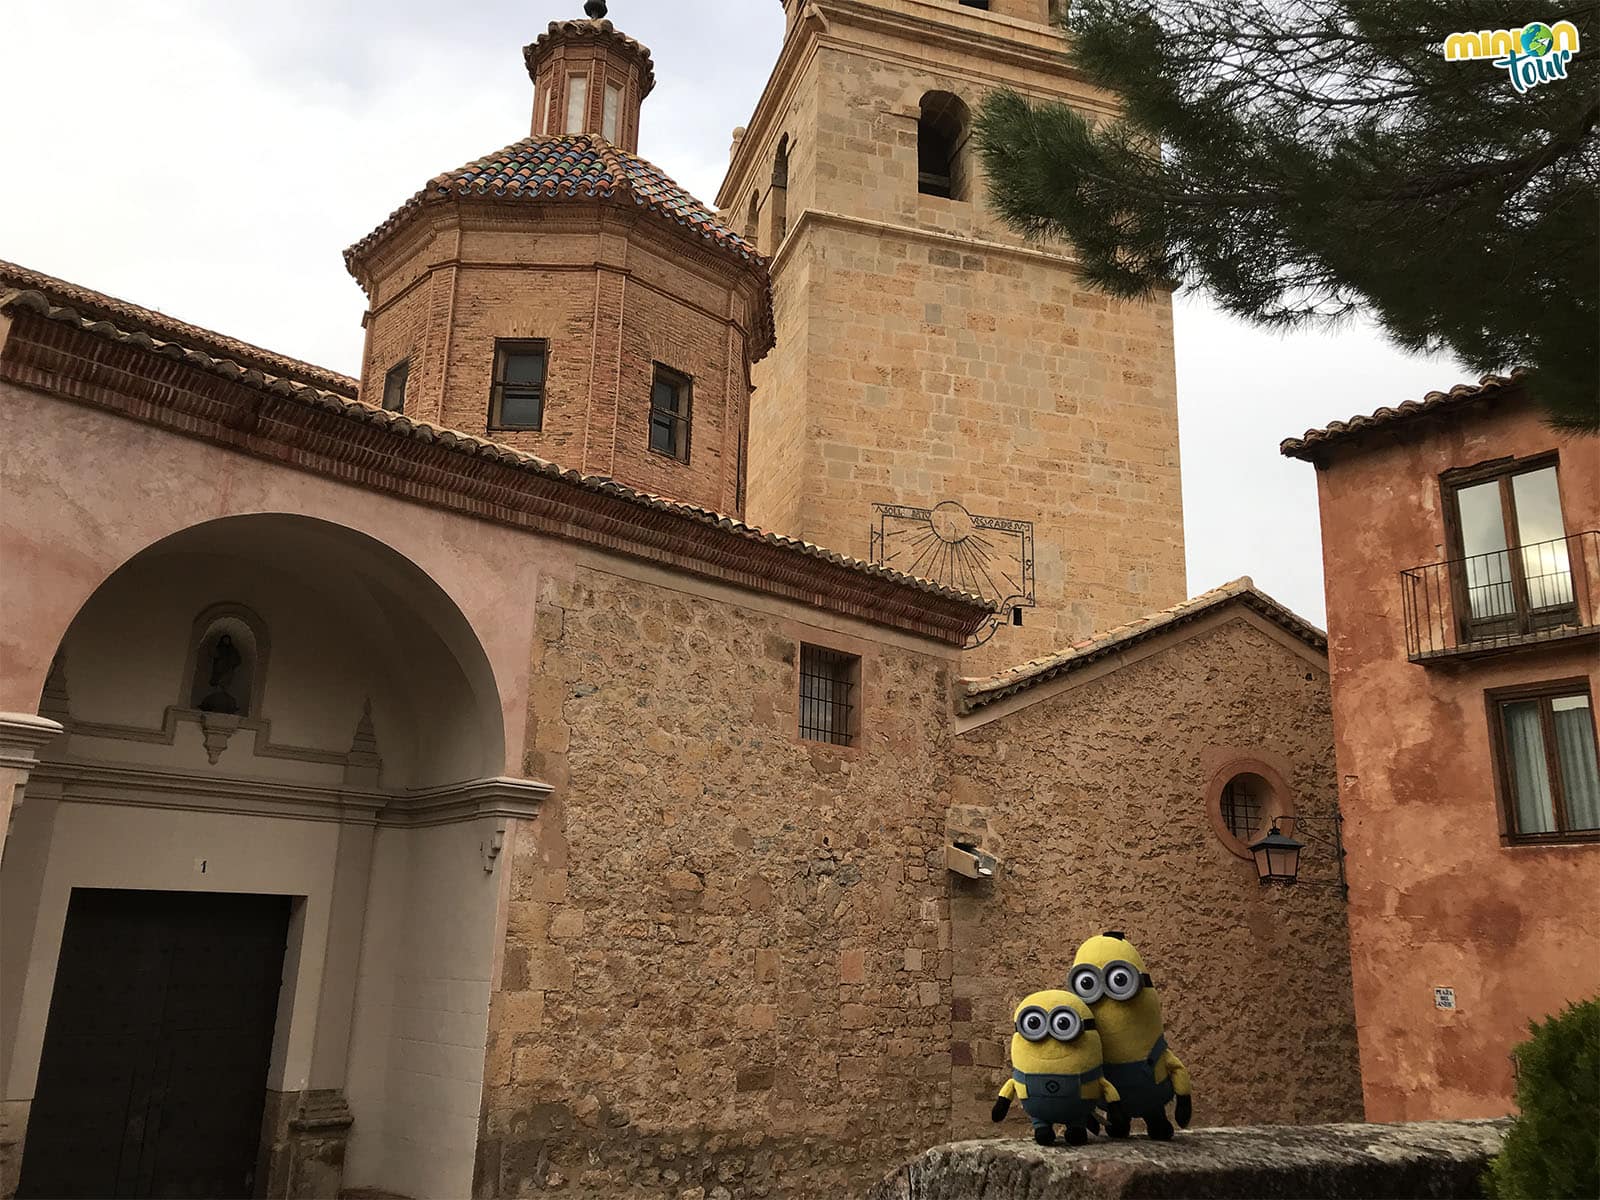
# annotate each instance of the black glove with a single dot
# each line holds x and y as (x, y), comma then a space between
(1001, 1107)
(1184, 1111)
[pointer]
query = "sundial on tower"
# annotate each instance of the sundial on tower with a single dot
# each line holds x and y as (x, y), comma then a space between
(989, 556)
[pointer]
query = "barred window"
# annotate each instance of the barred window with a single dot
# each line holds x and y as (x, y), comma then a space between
(516, 400)
(1244, 802)
(394, 386)
(829, 682)
(671, 396)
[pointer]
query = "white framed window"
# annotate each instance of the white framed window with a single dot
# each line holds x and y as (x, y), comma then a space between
(577, 102)
(613, 112)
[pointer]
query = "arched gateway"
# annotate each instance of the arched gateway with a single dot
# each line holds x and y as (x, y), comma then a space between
(269, 834)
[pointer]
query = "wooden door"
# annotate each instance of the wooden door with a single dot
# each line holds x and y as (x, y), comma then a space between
(154, 1071)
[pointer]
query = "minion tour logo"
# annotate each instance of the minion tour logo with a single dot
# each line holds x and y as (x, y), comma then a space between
(1534, 54)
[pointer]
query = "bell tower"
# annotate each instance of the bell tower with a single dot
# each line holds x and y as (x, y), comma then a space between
(945, 396)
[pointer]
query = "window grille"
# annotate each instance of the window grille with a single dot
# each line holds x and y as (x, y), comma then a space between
(828, 684)
(1241, 806)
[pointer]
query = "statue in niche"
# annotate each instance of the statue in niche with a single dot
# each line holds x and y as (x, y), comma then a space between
(225, 663)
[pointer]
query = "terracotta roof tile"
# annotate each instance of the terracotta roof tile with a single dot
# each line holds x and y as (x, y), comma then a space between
(132, 317)
(570, 167)
(580, 166)
(402, 426)
(975, 693)
(1489, 387)
(580, 30)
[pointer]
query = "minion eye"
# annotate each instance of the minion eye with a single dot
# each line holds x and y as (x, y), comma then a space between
(1087, 983)
(1122, 981)
(1033, 1023)
(1065, 1024)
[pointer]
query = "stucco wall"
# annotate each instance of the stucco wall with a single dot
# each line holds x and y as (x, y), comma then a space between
(422, 1004)
(1095, 799)
(1437, 899)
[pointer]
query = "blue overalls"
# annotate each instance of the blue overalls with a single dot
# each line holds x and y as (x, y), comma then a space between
(1057, 1099)
(1136, 1081)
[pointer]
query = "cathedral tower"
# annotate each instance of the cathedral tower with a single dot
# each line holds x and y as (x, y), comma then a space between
(945, 396)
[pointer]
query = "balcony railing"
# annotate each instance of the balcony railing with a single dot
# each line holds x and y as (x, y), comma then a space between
(1491, 602)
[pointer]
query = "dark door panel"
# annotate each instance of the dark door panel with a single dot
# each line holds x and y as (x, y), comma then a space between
(154, 1070)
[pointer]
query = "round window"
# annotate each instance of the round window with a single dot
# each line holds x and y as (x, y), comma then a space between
(1244, 798)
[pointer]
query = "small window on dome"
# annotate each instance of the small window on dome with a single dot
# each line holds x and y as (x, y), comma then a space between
(577, 102)
(613, 112)
(394, 386)
(516, 399)
(670, 399)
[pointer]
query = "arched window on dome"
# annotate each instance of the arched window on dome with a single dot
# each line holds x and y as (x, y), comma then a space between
(752, 221)
(943, 130)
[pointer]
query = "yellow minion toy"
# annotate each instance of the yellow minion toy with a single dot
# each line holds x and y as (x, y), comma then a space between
(1056, 1068)
(1110, 977)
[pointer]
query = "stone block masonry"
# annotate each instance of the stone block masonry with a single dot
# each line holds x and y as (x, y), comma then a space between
(734, 959)
(1436, 1160)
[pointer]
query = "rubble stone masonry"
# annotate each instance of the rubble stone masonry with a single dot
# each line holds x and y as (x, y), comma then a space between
(734, 963)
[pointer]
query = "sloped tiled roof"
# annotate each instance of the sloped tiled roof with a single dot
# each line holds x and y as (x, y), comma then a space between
(575, 166)
(132, 318)
(1434, 403)
(975, 693)
(971, 608)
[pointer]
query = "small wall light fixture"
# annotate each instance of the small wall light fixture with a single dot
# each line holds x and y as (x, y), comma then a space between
(1278, 856)
(966, 859)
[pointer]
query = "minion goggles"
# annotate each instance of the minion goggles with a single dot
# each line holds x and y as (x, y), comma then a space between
(1064, 1024)
(1117, 979)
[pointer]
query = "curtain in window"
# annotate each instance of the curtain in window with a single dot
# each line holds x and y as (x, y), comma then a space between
(1579, 776)
(1530, 771)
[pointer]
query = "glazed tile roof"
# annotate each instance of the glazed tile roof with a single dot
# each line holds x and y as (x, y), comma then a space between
(132, 317)
(1434, 403)
(576, 166)
(973, 608)
(975, 693)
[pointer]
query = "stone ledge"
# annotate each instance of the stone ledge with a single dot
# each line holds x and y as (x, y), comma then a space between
(1439, 1160)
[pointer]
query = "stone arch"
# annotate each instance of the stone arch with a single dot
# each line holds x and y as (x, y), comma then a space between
(358, 782)
(415, 640)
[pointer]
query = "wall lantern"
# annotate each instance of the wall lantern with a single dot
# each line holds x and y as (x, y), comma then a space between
(1278, 856)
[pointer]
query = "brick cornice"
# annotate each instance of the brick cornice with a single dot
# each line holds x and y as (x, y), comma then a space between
(53, 350)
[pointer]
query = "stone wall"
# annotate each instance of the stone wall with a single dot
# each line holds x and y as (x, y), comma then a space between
(724, 960)
(945, 357)
(1095, 799)
(1438, 1160)
(734, 960)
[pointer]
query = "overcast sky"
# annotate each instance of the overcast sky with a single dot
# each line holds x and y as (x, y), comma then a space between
(213, 158)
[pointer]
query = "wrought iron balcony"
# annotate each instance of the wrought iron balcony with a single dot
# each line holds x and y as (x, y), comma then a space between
(1490, 603)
